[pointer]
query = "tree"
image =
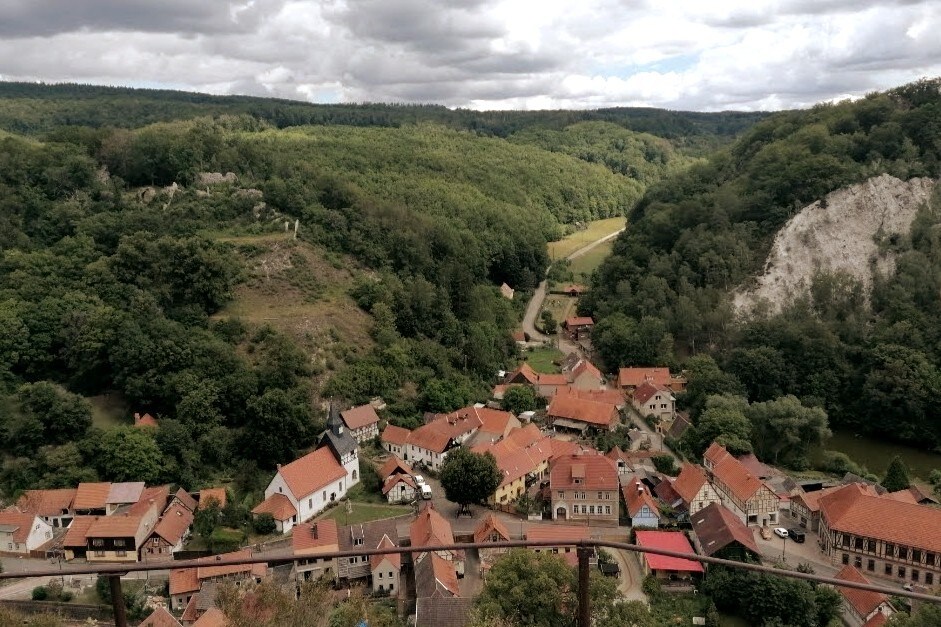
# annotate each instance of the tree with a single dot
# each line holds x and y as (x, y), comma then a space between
(278, 426)
(935, 480)
(130, 454)
(783, 430)
(896, 476)
(65, 416)
(519, 398)
(264, 524)
(548, 322)
(469, 477)
(665, 464)
(707, 379)
(206, 518)
(927, 615)
(829, 603)
(722, 421)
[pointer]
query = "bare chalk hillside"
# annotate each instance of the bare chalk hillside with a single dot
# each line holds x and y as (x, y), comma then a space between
(838, 234)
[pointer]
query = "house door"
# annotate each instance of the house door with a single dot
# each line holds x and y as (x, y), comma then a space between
(560, 513)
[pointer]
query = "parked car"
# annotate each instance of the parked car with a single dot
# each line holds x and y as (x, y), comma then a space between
(425, 491)
(781, 532)
(797, 535)
(419, 479)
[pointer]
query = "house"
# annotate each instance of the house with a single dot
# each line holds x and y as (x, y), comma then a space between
(668, 569)
(308, 541)
(429, 444)
(362, 422)
(183, 498)
(680, 424)
(566, 535)
(522, 457)
(602, 395)
(523, 375)
(651, 399)
(302, 489)
(583, 375)
(548, 384)
(805, 507)
(569, 412)
(443, 612)
(720, 533)
(574, 289)
(395, 440)
(362, 536)
(53, 506)
(386, 569)
(123, 494)
(578, 327)
(398, 486)
(694, 488)
(145, 421)
(75, 541)
(185, 583)
(121, 536)
(743, 493)
(640, 505)
(208, 495)
(495, 425)
(490, 529)
(212, 617)
(921, 496)
(22, 532)
(90, 498)
(430, 528)
(862, 608)
(344, 446)
(160, 617)
(506, 291)
(168, 534)
(435, 576)
(882, 535)
(584, 487)
(629, 379)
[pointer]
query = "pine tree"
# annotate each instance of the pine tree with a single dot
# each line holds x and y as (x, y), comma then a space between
(896, 477)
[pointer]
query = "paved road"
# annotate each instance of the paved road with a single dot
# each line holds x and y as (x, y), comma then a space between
(535, 304)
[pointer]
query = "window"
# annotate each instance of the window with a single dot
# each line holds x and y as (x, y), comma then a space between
(607, 509)
(914, 575)
(929, 579)
(753, 519)
(575, 509)
(97, 542)
(354, 475)
(119, 542)
(889, 550)
(310, 503)
(901, 571)
(773, 518)
(916, 555)
(846, 558)
(858, 544)
(561, 494)
(870, 546)
(324, 498)
(870, 565)
(578, 481)
(888, 569)
(380, 574)
(858, 562)
(391, 586)
(600, 496)
(357, 541)
(929, 559)
(591, 510)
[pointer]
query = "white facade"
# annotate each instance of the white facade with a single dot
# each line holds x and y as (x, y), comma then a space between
(364, 433)
(385, 577)
(40, 532)
(419, 455)
(309, 505)
(706, 496)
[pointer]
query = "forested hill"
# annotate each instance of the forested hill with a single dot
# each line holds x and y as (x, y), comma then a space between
(699, 234)
(35, 108)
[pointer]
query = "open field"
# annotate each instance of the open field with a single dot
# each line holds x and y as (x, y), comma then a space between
(584, 265)
(110, 410)
(596, 230)
(541, 359)
(363, 512)
(560, 306)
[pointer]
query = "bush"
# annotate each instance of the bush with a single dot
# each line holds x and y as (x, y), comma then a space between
(652, 587)
(264, 524)
(40, 593)
(665, 464)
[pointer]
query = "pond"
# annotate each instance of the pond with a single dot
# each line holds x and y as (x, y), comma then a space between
(876, 454)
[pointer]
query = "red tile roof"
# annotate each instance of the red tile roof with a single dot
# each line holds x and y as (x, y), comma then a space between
(812, 499)
(394, 558)
(116, 526)
(174, 523)
(144, 421)
(46, 502)
(634, 377)
(91, 495)
(636, 495)
(863, 601)
(445, 574)
(590, 412)
(393, 466)
(645, 391)
(904, 496)
(494, 420)
(553, 379)
(76, 536)
(213, 493)
(307, 538)
(125, 492)
(395, 435)
(394, 480)
(561, 448)
(209, 571)
(213, 617)
(668, 541)
(578, 321)
(436, 435)
(359, 417)
(878, 620)
(22, 521)
(689, 482)
(183, 580)
(613, 396)
(154, 498)
(859, 511)
(715, 453)
(526, 372)
(717, 527)
(563, 534)
(741, 483)
(312, 472)
(278, 505)
(430, 527)
(191, 613)
(595, 472)
(184, 497)
(585, 366)
(491, 525)
(520, 453)
(160, 617)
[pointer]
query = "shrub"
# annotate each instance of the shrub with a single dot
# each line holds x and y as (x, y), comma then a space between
(40, 593)
(264, 524)
(665, 464)
(652, 587)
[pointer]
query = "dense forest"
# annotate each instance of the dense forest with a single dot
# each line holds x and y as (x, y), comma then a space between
(120, 260)
(873, 364)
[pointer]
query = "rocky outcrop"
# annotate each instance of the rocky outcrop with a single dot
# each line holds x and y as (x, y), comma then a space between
(838, 234)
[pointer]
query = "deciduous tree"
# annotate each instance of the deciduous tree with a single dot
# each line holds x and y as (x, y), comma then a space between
(469, 477)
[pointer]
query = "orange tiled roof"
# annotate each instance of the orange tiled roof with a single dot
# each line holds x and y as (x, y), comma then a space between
(393, 466)
(590, 412)
(857, 510)
(160, 617)
(151, 498)
(430, 527)
(717, 527)
(689, 482)
(213, 617)
(445, 574)
(525, 436)
(174, 523)
(436, 435)
(212, 493)
(611, 395)
(493, 420)
(46, 502)
(394, 558)
(863, 601)
(645, 391)
(636, 495)
(596, 472)
(91, 495)
(904, 496)
(394, 480)
(184, 497)
(395, 435)
(278, 505)
(563, 534)
(634, 377)
(359, 417)
(312, 472)
(578, 321)
(76, 536)
(526, 372)
(715, 453)
(183, 580)
(117, 526)
(191, 613)
(21, 520)
(670, 541)
(490, 525)
(812, 499)
(585, 366)
(741, 483)
(144, 421)
(878, 620)
(209, 571)
(553, 379)
(308, 537)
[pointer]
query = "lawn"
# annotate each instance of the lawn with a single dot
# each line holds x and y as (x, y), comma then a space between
(560, 306)
(363, 512)
(596, 230)
(583, 266)
(541, 359)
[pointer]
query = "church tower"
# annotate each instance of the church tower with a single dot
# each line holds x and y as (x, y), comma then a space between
(343, 445)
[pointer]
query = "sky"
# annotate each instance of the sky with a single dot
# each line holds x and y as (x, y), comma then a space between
(705, 55)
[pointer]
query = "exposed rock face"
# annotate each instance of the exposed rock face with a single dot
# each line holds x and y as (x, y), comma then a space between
(837, 235)
(216, 178)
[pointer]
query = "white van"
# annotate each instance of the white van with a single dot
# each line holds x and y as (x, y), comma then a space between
(425, 491)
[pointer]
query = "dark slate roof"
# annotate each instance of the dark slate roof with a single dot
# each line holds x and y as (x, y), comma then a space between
(443, 612)
(717, 527)
(680, 424)
(337, 436)
(371, 532)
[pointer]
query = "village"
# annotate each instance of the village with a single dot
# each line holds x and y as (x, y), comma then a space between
(556, 485)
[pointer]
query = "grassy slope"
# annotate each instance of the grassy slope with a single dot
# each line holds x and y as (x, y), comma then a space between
(577, 239)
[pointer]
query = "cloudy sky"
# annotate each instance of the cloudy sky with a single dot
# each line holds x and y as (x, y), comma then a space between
(486, 54)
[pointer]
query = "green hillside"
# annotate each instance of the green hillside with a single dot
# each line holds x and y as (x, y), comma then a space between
(696, 235)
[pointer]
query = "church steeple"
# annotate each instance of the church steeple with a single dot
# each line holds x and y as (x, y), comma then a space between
(334, 422)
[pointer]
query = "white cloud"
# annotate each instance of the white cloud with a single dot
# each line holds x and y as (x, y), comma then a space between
(681, 54)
